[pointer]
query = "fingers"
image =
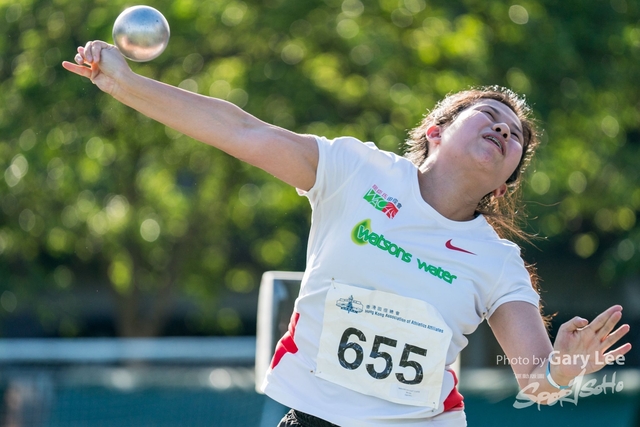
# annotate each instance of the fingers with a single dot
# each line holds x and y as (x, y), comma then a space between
(86, 58)
(610, 323)
(579, 337)
(602, 319)
(575, 324)
(615, 336)
(91, 52)
(77, 69)
(82, 68)
(79, 56)
(88, 53)
(95, 51)
(620, 351)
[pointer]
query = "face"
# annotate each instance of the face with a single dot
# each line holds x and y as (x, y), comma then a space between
(487, 137)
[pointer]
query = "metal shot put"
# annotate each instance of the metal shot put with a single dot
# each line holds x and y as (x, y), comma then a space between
(141, 33)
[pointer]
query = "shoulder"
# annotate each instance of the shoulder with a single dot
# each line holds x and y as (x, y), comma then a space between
(489, 234)
(345, 144)
(355, 146)
(500, 256)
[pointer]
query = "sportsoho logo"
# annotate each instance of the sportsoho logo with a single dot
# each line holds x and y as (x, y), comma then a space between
(382, 201)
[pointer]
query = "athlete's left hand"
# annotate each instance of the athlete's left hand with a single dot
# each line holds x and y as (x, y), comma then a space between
(586, 345)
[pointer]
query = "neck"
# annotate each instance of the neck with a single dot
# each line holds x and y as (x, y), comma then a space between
(451, 193)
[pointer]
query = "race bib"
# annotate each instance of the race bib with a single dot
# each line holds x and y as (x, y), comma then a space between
(383, 345)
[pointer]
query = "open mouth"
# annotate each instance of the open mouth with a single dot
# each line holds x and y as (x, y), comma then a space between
(496, 141)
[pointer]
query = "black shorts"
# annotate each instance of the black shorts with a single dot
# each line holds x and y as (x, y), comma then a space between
(295, 418)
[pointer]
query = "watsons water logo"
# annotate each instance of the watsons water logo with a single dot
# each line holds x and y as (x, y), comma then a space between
(439, 272)
(362, 234)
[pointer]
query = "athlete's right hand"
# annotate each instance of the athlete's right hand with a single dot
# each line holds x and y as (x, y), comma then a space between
(100, 62)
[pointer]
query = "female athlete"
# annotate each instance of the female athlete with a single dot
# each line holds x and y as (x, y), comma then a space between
(406, 255)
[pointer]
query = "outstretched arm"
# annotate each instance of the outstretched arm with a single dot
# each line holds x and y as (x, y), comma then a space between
(580, 347)
(291, 157)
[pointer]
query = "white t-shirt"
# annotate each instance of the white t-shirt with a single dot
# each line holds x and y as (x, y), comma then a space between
(375, 239)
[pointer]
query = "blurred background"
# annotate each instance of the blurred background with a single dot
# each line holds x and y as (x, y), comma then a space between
(131, 255)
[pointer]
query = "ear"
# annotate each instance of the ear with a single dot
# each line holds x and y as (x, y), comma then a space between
(434, 134)
(500, 191)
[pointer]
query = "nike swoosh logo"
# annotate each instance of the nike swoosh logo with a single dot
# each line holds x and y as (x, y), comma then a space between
(455, 248)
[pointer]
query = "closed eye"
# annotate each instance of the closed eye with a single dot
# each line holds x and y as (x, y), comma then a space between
(516, 137)
(493, 117)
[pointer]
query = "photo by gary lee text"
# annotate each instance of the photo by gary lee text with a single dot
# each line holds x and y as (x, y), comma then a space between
(566, 359)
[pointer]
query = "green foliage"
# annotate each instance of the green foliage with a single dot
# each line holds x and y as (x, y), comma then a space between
(92, 192)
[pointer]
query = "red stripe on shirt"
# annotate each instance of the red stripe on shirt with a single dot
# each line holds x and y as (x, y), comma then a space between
(454, 402)
(286, 343)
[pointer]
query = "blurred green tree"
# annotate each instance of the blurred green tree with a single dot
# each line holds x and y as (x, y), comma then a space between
(94, 193)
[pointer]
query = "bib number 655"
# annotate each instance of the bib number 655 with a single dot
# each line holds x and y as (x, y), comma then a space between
(376, 353)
